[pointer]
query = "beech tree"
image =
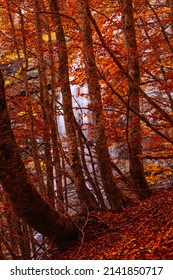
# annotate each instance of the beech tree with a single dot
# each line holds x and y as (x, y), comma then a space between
(83, 192)
(55, 55)
(28, 203)
(133, 125)
(113, 194)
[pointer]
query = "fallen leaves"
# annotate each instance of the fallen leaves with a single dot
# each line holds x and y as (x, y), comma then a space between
(143, 231)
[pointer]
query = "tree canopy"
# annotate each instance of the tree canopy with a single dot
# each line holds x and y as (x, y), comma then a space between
(86, 106)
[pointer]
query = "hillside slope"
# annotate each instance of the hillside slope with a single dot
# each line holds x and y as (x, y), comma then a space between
(143, 230)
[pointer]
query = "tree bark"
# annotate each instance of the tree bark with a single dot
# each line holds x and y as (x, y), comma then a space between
(134, 130)
(113, 194)
(85, 196)
(46, 108)
(27, 202)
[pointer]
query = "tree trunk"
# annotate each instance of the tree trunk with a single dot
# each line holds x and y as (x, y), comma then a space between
(46, 108)
(24, 71)
(134, 130)
(112, 192)
(85, 196)
(27, 202)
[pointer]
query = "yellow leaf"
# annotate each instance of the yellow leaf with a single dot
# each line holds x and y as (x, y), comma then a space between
(22, 113)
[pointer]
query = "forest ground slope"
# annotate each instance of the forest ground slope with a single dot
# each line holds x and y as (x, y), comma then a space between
(142, 230)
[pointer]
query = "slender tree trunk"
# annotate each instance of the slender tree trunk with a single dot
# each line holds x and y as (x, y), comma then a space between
(35, 153)
(83, 192)
(112, 192)
(22, 231)
(12, 222)
(27, 202)
(134, 130)
(46, 107)
(52, 120)
(93, 182)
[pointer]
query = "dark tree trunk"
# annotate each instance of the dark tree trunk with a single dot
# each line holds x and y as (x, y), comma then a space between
(27, 202)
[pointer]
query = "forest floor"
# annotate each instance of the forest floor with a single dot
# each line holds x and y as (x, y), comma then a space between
(141, 231)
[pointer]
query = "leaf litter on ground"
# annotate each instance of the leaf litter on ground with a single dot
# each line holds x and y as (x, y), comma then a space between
(141, 231)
